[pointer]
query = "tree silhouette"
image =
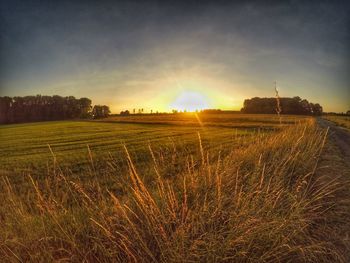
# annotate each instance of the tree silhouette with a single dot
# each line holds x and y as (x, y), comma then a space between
(100, 111)
(43, 108)
(294, 105)
(125, 113)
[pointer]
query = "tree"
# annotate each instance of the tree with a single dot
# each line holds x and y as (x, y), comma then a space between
(294, 105)
(316, 109)
(125, 113)
(85, 107)
(100, 111)
(105, 110)
(5, 106)
(44, 108)
(97, 112)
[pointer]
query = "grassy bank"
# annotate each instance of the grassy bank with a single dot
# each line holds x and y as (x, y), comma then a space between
(259, 200)
(343, 121)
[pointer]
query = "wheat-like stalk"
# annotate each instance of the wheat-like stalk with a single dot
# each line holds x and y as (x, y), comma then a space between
(278, 107)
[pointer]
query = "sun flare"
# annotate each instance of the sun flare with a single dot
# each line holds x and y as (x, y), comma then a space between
(190, 101)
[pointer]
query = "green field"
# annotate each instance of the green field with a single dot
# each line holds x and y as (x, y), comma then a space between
(26, 146)
(235, 120)
(184, 188)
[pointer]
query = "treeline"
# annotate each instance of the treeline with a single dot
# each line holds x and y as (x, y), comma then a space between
(294, 105)
(47, 108)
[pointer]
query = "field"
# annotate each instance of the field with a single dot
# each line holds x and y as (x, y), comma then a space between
(175, 188)
(343, 121)
(27, 145)
(30, 146)
(202, 119)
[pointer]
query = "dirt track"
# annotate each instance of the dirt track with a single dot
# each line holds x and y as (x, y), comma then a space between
(339, 136)
(335, 161)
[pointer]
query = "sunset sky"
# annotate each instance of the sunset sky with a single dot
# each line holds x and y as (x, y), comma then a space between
(156, 55)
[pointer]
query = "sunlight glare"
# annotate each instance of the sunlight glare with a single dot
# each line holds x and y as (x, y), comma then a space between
(190, 101)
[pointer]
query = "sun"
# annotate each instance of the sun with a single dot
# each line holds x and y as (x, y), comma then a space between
(190, 101)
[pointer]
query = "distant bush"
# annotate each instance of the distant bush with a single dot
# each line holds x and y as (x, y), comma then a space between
(125, 113)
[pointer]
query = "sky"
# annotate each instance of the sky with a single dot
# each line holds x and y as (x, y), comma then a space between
(161, 55)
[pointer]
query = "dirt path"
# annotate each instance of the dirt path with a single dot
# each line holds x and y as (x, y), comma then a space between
(335, 162)
(340, 138)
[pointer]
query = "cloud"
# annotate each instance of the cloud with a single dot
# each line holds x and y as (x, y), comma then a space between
(121, 48)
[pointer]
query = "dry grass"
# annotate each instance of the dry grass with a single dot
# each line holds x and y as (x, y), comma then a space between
(261, 202)
(343, 121)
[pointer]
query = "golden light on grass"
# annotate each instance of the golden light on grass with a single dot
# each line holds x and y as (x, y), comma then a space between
(261, 198)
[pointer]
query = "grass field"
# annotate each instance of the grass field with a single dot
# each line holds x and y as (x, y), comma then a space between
(343, 121)
(27, 145)
(237, 188)
(202, 119)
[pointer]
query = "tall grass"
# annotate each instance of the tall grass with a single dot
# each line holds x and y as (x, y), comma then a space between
(260, 202)
(278, 102)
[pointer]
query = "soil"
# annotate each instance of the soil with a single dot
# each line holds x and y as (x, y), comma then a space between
(335, 162)
(340, 137)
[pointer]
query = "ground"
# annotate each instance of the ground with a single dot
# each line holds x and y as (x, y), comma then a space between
(335, 163)
(242, 188)
(27, 145)
(340, 136)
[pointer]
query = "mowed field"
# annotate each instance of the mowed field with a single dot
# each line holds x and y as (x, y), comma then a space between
(31, 146)
(169, 188)
(221, 120)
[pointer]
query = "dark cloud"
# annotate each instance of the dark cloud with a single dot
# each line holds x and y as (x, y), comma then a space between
(50, 41)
